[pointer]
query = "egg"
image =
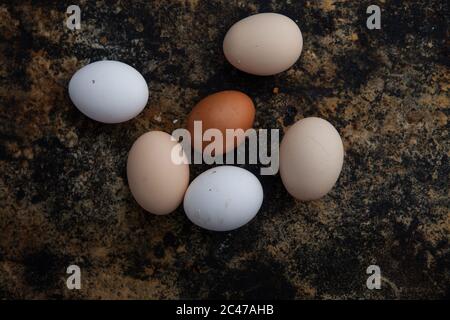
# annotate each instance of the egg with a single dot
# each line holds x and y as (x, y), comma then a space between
(158, 172)
(223, 198)
(263, 44)
(108, 91)
(311, 158)
(222, 110)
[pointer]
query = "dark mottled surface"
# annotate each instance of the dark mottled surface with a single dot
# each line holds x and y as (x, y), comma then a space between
(63, 191)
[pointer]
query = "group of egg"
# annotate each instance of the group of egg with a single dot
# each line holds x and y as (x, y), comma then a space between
(225, 197)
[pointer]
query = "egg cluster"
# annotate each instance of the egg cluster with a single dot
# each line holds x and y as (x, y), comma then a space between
(225, 197)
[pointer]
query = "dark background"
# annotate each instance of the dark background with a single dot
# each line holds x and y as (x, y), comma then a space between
(64, 197)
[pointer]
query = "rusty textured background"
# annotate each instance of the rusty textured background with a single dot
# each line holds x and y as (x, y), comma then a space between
(63, 189)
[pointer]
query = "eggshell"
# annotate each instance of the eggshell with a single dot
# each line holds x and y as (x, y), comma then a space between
(311, 158)
(108, 91)
(263, 44)
(156, 181)
(223, 110)
(223, 198)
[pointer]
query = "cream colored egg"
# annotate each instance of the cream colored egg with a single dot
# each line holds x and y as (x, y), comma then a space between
(157, 179)
(311, 158)
(263, 44)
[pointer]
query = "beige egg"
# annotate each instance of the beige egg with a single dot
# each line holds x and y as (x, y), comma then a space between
(158, 172)
(263, 44)
(311, 158)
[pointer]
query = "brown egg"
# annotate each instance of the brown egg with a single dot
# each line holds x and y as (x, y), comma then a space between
(222, 110)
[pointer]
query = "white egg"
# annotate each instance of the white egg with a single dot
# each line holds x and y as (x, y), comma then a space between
(223, 198)
(109, 91)
(263, 44)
